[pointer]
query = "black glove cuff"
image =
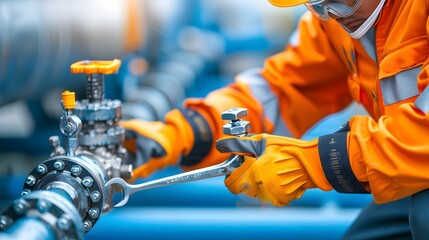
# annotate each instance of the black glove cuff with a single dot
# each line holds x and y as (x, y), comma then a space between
(336, 162)
(203, 137)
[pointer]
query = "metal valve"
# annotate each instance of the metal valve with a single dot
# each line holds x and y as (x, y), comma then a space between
(235, 126)
(101, 133)
(99, 115)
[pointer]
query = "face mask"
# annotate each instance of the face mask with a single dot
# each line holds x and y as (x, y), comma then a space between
(367, 24)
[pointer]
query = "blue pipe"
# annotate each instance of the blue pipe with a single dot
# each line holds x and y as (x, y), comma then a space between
(223, 223)
(29, 229)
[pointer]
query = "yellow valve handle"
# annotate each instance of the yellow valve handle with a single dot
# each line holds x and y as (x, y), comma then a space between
(96, 67)
(69, 100)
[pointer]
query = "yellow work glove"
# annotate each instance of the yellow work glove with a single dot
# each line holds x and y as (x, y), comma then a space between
(157, 144)
(276, 169)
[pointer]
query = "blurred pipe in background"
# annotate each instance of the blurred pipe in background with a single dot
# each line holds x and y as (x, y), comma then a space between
(39, 39)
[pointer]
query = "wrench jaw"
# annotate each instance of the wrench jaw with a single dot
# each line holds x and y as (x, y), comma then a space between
(123, 201)
(119, 185)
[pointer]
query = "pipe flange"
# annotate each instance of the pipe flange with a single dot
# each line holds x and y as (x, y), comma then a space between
(60, 214)
(79, 177)
(69, 184)
(108, 111)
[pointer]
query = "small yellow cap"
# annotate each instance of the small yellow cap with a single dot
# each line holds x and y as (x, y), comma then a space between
(287, 3)
(92, 67)
(69, 100)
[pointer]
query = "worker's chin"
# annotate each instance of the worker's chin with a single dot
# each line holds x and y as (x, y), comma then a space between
(351, 26)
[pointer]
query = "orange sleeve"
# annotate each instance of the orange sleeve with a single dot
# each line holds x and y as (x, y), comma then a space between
(309, 76)
(393, 154)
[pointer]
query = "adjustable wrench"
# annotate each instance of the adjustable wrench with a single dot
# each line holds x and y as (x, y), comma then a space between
(221, 169)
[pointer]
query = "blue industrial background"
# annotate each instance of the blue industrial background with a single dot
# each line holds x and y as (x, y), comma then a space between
(191, 47)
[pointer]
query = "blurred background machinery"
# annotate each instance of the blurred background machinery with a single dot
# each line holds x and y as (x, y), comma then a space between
(169, 50)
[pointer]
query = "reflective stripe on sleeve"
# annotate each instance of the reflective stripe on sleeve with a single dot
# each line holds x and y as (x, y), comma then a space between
(422, 102)
(262, 92)
(336, 164)
(401, 86)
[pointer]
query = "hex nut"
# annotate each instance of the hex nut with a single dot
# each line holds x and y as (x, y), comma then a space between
(54, 141)
(94, 213)
(95, 196)
(76, 170)
(43, 206)
(64, 223)
(25, 192)
(20, 206)
(42, 169)
(87, 181)
(234, 113)
(5, 222)
(236, 130)
(87, 225)
(30, 181)
(59, 165)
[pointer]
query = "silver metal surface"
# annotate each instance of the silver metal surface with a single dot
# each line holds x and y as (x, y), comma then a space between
(234, 114)
(70, 127)
(235, 126)
(111, 136)
(105, 110)
(221, 169)
(54, 142)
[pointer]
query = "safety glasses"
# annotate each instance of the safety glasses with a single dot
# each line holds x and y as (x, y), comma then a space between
(341, 8)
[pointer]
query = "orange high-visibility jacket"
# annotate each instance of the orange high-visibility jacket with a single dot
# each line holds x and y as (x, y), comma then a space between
(321, 71)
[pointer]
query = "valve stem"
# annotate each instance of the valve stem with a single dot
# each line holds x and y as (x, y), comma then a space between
(95, 87)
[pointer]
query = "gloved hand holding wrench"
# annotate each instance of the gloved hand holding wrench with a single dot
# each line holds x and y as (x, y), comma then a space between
(235, 127)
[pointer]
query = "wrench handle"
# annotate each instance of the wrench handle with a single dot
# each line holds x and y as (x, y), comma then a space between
(221, 169)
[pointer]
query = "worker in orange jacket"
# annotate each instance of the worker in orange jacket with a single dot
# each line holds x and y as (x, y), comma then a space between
(373, 52)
